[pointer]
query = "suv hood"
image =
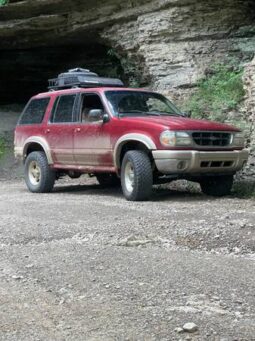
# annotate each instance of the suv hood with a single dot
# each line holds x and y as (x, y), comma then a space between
(180, 123)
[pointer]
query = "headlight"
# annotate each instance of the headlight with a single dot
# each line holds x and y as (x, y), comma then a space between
(238, 140)
(175, 138)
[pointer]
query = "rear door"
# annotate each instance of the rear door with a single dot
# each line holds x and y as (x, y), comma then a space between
(60, 130)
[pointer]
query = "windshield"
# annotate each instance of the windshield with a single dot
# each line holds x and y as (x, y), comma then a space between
(139, 103)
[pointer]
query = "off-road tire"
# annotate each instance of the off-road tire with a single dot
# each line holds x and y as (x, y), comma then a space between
(142, 175)
(108, 180)
(47, 175)
(217, 186)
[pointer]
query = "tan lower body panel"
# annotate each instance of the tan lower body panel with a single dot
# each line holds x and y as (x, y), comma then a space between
(192, 161)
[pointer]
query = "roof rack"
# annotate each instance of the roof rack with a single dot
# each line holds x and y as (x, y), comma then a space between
(82, 78)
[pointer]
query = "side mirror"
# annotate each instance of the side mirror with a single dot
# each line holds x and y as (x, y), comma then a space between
(95, 115)
(106, 118)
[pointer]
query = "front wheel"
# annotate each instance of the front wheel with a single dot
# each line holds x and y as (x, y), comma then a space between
(39, 177)
(217, 186)
(136, 175)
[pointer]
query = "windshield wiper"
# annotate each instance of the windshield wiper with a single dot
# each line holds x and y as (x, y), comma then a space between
(152, 113)
(148, 113)
(140, 112)
(163, 113)
(131, 112)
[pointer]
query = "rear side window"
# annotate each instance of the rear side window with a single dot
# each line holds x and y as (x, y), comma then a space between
(63, 109)
(35, 111)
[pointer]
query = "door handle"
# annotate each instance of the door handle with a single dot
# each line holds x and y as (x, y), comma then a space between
(47, 131)
(77, 130)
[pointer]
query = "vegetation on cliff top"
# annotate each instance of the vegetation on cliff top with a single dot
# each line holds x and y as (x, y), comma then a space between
(3, 2)
(2, 147)
(218, 93)
(128, 67)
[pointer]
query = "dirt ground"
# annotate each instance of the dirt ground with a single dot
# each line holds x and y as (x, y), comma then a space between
(82, 263)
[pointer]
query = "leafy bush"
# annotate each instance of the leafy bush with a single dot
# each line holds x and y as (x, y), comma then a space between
(3, 2)
(221, 91)
(128, 66)
(2, 147)
(244, 189)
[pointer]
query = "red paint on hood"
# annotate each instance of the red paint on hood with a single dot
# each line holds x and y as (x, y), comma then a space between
(180, 123)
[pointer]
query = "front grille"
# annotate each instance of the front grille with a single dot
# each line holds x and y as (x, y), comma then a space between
(212, 139)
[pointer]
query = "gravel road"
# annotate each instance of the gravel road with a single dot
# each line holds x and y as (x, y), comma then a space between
(82, 263)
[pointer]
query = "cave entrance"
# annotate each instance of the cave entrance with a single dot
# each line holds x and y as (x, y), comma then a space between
(25, 73)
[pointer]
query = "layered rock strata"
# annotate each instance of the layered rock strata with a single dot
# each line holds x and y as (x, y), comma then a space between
(167, 44)
(170, 42)
(249, 113)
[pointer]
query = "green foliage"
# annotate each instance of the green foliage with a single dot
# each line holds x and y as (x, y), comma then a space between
(244, 189)
(2, 147)
(3, 2)
(221, 91)
(130, 69)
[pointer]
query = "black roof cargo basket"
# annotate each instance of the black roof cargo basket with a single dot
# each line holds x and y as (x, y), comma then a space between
(82, 78)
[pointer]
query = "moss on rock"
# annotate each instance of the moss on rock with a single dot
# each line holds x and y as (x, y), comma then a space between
(220, 92)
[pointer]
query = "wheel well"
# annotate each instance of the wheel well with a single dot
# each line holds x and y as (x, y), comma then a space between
(133, 145)
(33, 147)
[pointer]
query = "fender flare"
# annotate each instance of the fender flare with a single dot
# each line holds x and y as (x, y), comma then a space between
(43, 143)
(136, 137)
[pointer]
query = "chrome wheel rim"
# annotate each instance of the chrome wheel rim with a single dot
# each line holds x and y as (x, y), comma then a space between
(34, 173)
(129, 176)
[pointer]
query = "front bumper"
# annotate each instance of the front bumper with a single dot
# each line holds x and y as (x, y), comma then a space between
(196, 162)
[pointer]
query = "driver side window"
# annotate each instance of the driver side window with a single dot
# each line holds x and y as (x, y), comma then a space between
(91, 103)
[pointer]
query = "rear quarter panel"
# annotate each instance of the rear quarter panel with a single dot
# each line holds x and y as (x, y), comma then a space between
(23, 132)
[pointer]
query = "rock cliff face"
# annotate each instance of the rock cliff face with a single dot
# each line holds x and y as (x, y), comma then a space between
(169, 43)
(249, 113)
(164, 44)
(178, 40)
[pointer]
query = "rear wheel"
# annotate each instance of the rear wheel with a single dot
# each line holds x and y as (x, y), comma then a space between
(217, 186)
(136, 175)
(39, 177)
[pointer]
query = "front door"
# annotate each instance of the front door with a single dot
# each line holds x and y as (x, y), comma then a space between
(92, 146)
(60, 130)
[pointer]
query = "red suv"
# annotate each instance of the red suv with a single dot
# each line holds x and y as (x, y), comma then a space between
(120, 135)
